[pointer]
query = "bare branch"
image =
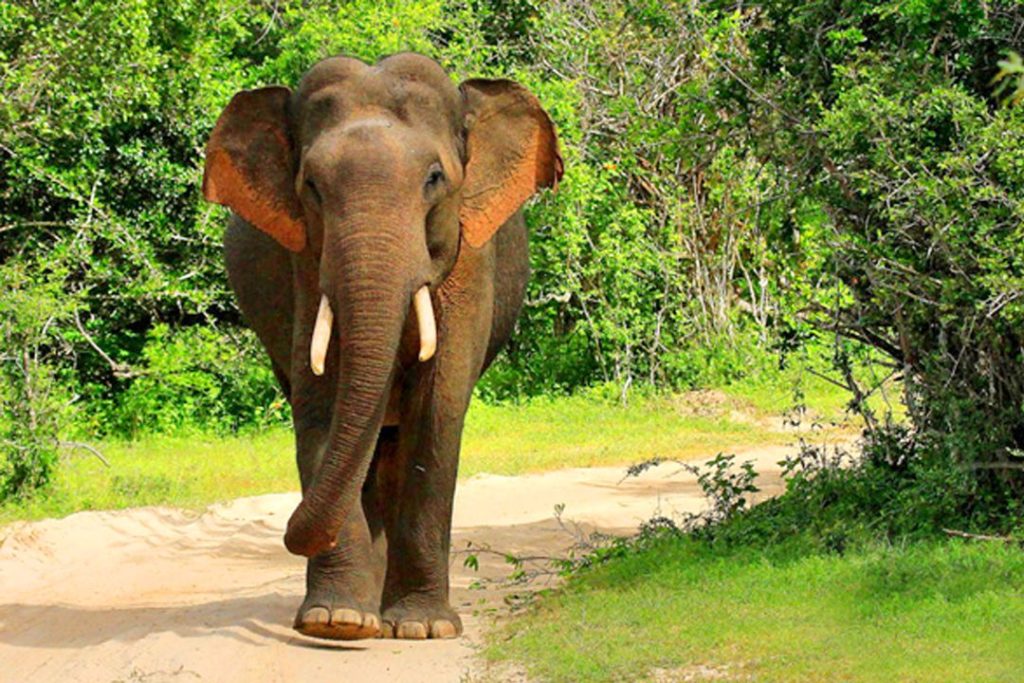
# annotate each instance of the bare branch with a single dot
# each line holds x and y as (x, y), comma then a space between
(85, 447)
(120, 370)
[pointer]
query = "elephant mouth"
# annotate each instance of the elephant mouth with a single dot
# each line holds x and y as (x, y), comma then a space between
(425, 322)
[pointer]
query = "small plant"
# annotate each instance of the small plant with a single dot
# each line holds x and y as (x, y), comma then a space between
(725, 486)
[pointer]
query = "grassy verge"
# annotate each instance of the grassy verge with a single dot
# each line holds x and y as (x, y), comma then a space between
(932, 611)
(183, 471)
(580, 431)
(586, 432)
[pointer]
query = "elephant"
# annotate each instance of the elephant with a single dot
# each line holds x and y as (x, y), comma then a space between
(376, 246)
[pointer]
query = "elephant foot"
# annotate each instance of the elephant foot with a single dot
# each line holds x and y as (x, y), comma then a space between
(421, 622)
(335, 620)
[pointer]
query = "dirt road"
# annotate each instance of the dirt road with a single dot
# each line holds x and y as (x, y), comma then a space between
(156, 594)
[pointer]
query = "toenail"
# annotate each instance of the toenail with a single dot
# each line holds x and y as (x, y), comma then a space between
(411, 630)
(443, 629)
(316, 615)
(346, 616)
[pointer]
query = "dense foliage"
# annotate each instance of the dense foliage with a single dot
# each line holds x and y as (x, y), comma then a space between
(882, 116)
(740, 178)
(891, 127)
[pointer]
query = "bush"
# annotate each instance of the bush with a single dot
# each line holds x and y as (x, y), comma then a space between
(887, 130)
(895, 490)
(199, 378)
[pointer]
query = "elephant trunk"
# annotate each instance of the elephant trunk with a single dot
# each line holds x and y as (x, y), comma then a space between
(372, 300)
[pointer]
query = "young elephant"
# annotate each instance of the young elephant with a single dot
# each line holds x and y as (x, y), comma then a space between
(378, 251)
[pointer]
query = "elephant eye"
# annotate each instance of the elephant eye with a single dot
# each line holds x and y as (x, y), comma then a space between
(434, 177)
(315, 192)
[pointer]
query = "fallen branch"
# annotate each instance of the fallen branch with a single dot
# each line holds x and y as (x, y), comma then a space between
(956, 533)
(638, 468)
(510, 558)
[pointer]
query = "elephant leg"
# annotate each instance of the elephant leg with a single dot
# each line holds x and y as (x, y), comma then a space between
(415, 602)
(341, 588)
(435, 397)
(343, 585)
(375, 501)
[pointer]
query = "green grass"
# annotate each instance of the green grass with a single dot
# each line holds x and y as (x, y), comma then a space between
(539, 435)
(775, 392)
(184, 471)
(937, 611)
(549, 434)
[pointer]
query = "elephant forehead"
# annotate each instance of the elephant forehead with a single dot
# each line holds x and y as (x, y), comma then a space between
(409, 102)
(372, 147)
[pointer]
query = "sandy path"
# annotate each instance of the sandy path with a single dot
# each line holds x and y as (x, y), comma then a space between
(156, 594)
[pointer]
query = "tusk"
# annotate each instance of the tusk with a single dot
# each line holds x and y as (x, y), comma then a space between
(321, 336)
(428, 328)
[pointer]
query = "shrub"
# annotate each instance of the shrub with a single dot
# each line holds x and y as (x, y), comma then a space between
(34, 403)
(200, 378)
(894, 490)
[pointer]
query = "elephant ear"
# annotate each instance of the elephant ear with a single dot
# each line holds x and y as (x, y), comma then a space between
(250, 167)
(511, 150)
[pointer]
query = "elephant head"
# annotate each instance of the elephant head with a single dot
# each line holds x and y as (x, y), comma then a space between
(381, 174)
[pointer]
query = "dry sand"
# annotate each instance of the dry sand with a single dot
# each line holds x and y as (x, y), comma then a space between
(158, 594)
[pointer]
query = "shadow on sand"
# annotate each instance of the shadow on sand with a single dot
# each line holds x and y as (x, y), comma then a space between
(252, 620)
